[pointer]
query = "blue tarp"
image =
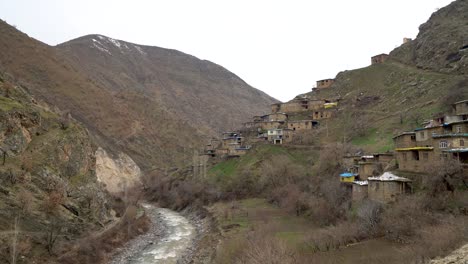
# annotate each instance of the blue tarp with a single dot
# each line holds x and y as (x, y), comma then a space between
(347, 174)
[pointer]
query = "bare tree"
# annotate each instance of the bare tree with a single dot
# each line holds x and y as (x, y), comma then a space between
(53, 231)
(14, 242)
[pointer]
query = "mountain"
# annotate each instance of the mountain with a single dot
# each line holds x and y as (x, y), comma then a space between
(154, 104)
(420, 79)
(200, 92)
(442, 42)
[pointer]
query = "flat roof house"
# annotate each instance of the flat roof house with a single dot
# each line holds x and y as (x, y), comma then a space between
(387, 187)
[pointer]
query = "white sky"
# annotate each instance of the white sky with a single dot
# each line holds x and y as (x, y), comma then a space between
(280, 47)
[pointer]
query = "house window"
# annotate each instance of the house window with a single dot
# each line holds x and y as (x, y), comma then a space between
(415, 155)
(462, 143)
(458, 129)
(421, 134)
(443, 144)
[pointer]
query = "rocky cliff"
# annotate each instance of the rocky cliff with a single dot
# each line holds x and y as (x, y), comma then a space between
(49, 192)
(442, 42)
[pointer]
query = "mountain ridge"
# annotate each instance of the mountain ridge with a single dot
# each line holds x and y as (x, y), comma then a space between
(154, 104)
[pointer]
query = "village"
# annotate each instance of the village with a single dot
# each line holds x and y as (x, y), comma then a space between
(367, 176)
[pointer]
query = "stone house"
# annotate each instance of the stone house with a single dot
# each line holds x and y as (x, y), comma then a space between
(384, 158)
(359, 190)
(297, 105)
(461, 109)
(417, 151)
(381, 58)
(406, 40)
(325, 83)
(302, 125)
(367, 169)
(322, 114)
(280, 136)
(387, 187)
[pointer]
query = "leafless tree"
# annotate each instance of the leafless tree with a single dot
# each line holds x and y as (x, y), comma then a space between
(14, 242)
(53, 231)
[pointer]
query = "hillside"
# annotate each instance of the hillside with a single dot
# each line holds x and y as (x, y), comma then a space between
(442, 42)
(153, 104)
(199, 92)
(292, 205)
(48, 180)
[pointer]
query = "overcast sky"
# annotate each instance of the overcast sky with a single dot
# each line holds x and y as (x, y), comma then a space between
(280, 47)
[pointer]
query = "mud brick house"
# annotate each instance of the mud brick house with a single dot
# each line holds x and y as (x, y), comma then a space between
(387, 187)
(210, 148)
(384, 158)
(302, 125)
(325, 83)
(322, 114)
(359, 190)
(461, 109)
(443, 137)
(409, 155)
(280, 136)
(238, 151)
(453, 142)
(406, 40)
(262, 125)
(367, 167)
(379, 58)
(297, 105)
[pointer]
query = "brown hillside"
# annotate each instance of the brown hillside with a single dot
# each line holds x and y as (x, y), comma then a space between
(442, 42)
(140, 104)
(198, 91)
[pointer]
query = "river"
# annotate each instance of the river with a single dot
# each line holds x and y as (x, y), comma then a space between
(170, 235)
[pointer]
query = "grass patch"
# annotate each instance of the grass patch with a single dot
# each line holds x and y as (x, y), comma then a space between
(7, 104)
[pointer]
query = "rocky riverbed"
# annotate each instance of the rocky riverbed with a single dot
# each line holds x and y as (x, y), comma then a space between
(169, 239)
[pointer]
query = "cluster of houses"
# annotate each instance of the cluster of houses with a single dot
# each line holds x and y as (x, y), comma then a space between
(282, 125)
(416, 151)
(279, 127)
(287, 119)
(442, 137)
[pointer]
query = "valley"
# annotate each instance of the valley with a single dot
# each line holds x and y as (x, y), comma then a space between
(115, 152)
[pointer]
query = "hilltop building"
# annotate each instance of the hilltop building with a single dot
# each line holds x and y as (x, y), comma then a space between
(377, 59)
(406, 40)
(325, 83)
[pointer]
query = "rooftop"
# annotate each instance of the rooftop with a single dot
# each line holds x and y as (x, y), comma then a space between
(405, 133)
(459, 102)
(388, 176)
